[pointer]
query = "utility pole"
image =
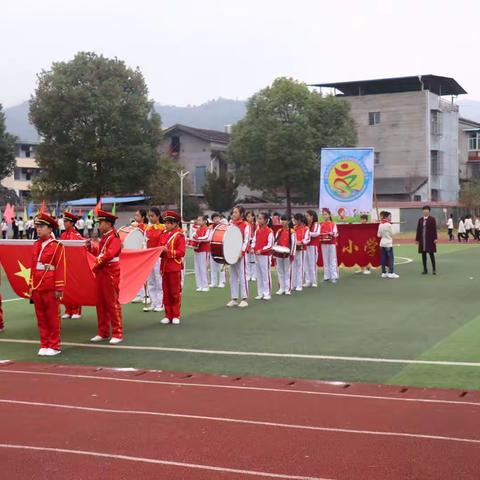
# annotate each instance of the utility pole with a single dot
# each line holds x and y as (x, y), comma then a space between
(182, 174)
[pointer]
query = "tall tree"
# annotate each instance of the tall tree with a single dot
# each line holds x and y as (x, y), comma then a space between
(470, 194)
(220, 190)
(7, 148)
(275, 148)
(99, 131)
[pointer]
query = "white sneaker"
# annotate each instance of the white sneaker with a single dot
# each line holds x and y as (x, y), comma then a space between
(51, 352)
(306, 285)
(147, 309)
(334, 280)
(115, 340)
(76, 316)
(267, 297)
(165, 321)
(198, 289)
(98, 338)
(221, 285)
(176, 321)
(149, 301)
(212, 285)
(243, 304)
(393, 275)
(288, 292)
(314, 285)
(137, 300)
(254, 279)
(358, 271)
(367, 272)
(205, 289)
(66, 315)
(298, 289)
(158, 309)
(279, 292)
(384, 275)
(42, 352)
(258, 297)
(232, 303)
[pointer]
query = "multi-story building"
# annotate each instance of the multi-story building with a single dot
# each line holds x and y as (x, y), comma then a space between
(414, 131)
(26, 169)
(469, 149)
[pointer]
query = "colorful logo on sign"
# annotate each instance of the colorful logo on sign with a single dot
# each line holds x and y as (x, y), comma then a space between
(347, 179)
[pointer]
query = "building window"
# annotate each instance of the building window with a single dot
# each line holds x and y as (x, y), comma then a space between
(435, 195)
(417, 198)
(377, 158)
(200, 179)
(373, 118)
(17, 173)
(436, 124)
(475, 170)
(436, 163)
(175, 146)
(474, 141)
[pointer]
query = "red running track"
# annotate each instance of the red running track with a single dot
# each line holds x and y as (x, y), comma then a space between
(88, 423)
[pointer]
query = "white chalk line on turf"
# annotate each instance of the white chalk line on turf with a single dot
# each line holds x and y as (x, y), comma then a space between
(171, 463)
(244, 421)
(405, 260)
(12, 300)
(242, 387)
(259, 354)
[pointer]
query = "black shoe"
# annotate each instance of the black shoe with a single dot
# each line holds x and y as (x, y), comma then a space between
(434, 272)
(425, 272)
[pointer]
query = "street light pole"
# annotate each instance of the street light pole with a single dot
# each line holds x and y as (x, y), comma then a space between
(182, 174)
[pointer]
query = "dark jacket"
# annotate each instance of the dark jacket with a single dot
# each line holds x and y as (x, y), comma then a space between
(430, 237)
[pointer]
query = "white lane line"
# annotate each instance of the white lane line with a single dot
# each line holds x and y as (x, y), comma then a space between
(405, 260)
(111, 456)
(243, 387)
(258, 354)
(244, 422)
(13, 300)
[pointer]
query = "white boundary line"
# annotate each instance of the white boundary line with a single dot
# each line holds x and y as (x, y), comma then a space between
(260, 354)
(246, 388)
(407, 260)
(13, 300)
(159, 462)
(244, 422)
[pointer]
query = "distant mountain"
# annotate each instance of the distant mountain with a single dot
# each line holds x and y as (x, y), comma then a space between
(470, 109)
(214, 114)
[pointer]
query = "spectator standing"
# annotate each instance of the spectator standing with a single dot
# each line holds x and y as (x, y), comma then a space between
(427, 239)
(4, 227)
(450, 228)
(80, 226)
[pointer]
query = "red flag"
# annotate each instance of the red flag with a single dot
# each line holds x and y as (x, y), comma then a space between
(357, 244)
(43, 207)
(135, 267)
(97, 207)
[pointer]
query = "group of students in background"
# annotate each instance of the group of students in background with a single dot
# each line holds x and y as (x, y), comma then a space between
(466, 227)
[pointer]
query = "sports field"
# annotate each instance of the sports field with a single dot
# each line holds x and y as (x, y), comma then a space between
(417, 330)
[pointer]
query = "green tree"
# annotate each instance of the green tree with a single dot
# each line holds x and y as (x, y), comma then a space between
(220, 190)
(275, 148)
(99, 131)
(7, 148)
(164, 184)
(470, 194)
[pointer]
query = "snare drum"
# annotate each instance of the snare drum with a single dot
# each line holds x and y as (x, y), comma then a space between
(132, 238)
(281, 252)
(226, 244)
(326, 237)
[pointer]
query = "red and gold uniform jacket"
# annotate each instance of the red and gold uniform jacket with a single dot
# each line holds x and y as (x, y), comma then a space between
(285, 237)
(71, 234)
(107, 252)
(262, 242)
(154, 233)
(329, 229)
(48, 265)
(314, 234)
(172, 259)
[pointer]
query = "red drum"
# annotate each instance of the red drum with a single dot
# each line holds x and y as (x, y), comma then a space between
(326, 237)
(226, 244)
(132, 238)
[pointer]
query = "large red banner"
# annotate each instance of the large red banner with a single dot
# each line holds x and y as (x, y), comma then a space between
(135, 267)
(358, 244)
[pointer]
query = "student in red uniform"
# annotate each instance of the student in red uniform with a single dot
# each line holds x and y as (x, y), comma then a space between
(71, 233)
(140, 221)
(173, 253)
(153, 234)
(217, 271)
(329, 234)
(262, 244)
(107, 279)
(201, 237)
(302, 235)
(250, 254)
(311, 251)
(47, 283)
(285, 237)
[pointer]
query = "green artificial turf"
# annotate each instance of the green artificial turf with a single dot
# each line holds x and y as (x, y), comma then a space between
(413, 317)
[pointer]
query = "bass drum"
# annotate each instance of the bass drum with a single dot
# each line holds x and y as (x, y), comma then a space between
(132, 238)
(226, 244)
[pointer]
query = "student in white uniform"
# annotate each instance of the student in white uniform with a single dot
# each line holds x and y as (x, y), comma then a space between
(201, 240)
(250, 257)
(450, 228)
(262, 244)
(329, 234)
(302, 235)
(285, 237)
(217, 270)
(311, 252)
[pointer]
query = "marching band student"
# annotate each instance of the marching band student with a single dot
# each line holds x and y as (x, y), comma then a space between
(71, 233)
(250, 255)
(262, 244)
(153, 234)
(107, 279)
(47, 283)
(217, 270)
(173, 253)
(329, 233)
(238, 278)
(302, 235)
(311, 252)
(201, 237)
(140, 221)
(285, 237)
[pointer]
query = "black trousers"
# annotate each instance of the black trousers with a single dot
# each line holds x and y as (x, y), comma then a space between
(432, 259)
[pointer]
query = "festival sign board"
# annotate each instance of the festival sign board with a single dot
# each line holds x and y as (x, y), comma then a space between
(346, 182)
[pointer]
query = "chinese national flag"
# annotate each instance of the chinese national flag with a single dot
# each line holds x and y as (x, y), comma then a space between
(135, 267)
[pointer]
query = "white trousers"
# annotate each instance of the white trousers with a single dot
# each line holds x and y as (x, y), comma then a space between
(284, 273)
(238, 279)
(330, 267)
(201, 268)
(264, 277)
(217, 273)
(155, 288)
(297, 269)
(250, 265)
(310, 267)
